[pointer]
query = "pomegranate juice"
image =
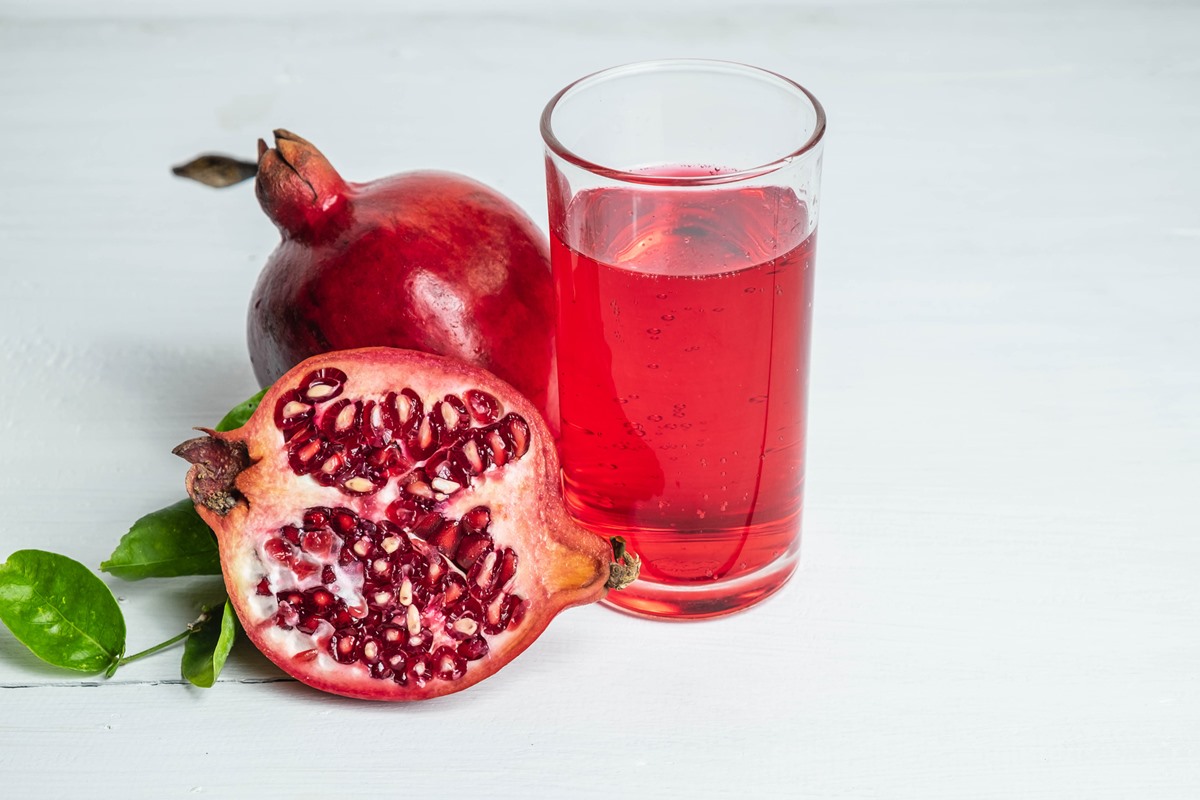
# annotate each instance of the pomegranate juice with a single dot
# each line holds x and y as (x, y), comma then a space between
(683, 330)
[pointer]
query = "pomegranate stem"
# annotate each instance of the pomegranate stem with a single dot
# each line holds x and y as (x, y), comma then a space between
(625, 566)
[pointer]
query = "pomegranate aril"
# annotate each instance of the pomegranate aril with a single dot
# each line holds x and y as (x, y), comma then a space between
(304, 568)
(497, 447)
(482, 578)
(371, 650)
(328, 576)
(446, 537)
(264, 588)
(418, 494)
(344, 521)
(291, 533)
(308, 624)
(420, 441)
(516, 432)
(448, 664)
(418, 671)
(306, 454)
(362, 481)
(469, 457)
(319, 599)
(477, 519)
(497, 615)
(508, 567)
(287, 616)
(409, 410)
(454, 588)
(322, 385)
(517, 608)
(471, 548)
(381, 671)
(484, 407)
(448, 418)
(291, 412)
(473, 649)
(316, 518)
(279, 549)
(318, 542)
(374, 429)
(344, 645)
(342, 421)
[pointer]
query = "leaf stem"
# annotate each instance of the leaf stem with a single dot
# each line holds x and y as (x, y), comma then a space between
(200, 620)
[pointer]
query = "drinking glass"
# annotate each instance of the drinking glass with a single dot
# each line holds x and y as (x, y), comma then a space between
(683, 200)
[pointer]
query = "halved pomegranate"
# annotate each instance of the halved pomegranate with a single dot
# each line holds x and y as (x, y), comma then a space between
(391, 524)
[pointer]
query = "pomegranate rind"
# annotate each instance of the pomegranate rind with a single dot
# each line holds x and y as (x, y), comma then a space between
(560, 564)
(427, 260)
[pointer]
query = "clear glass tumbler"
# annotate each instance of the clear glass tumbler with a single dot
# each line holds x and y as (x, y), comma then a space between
(683, 215)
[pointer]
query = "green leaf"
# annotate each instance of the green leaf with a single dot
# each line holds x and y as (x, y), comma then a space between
(61, 611)
(207, 647)
(166, 543)
(237, 417)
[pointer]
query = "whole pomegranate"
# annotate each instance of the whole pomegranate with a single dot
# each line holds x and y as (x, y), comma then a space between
(428, 261)
(391, 525)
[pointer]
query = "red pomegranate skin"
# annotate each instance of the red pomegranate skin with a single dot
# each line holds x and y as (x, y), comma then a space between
(427, 261)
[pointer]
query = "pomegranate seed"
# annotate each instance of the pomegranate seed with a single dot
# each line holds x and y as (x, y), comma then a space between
(471, 548)
(477, 519)
(304, 569)
(405, 597)
(518, 433)
(516, 610)
(319, 599)
(359, 485)
(483, 406)
(508, 567)
(344, 646)
(316, 518)
(449, 664)
(291, 533)
(466, 626)
(469, 458)
(473, 649)
(345, 521)
(418, 670)
(454, 588)
(446, 537)
(291, 412)
(381, 671)
(308, 624)
(323, 384)
(279, 550)
(319, 543)
(446, 487)
(327, 575)
(264, 588)
(409, 409)
(497, 447)
(371, 651)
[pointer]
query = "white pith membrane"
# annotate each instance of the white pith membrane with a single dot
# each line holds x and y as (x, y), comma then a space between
(366, 550)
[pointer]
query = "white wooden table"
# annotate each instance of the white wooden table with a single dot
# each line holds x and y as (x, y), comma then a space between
(999, 587)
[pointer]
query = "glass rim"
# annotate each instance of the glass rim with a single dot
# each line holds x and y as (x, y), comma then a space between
(555, 146)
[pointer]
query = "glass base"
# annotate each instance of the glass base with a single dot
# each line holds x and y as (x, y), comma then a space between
(703, 601)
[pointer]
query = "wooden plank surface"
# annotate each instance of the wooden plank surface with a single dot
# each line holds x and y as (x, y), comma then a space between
(998, 593)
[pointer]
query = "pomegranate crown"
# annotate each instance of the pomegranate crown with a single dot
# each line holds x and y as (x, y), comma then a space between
(298, 188)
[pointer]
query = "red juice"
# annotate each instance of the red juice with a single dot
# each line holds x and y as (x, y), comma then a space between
(684, 319)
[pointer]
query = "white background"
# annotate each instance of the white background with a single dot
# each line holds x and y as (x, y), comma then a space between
(998, 594)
